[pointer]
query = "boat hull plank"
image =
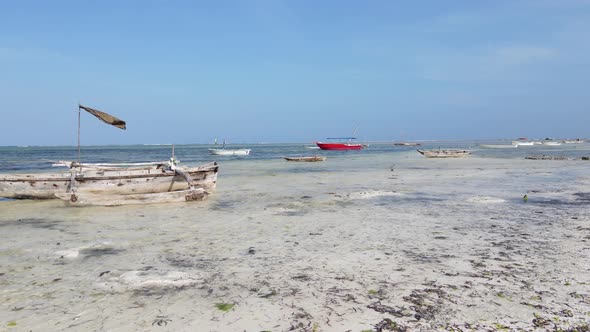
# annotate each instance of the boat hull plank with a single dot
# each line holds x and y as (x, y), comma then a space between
(444, 153)
(306, 159)
(89, 199)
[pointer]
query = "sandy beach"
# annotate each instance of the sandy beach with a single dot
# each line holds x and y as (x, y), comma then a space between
(388, 243)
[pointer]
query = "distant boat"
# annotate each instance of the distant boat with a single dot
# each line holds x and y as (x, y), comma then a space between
(306, 159)
(551, 143)
(407, 144)
(444, 153)
(523, 143)
(576, 141)
(230, 152)
(340, 145)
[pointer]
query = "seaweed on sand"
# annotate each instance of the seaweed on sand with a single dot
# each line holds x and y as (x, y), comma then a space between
(225, 307)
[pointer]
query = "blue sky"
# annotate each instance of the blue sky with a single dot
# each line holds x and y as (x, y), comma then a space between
(293, 71)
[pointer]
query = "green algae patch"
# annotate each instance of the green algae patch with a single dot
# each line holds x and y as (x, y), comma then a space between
(224, 306)
(11, 324)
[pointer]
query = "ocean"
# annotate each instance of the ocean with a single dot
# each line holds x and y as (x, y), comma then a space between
(41, 158)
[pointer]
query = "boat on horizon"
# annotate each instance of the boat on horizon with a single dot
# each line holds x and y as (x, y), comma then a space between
(341, 145)
(306, 159)
(449, 153)
(229, 152)
(523, 143)
(576, 141)
(407, 144)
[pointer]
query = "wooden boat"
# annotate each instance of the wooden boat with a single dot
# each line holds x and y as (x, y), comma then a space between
(306, 159)
(444, 153)
(230, 152)
(108, 179)
(113, 184)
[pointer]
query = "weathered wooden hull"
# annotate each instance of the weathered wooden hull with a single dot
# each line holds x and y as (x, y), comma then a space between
(88, 199)
(306, 159)
(444, 153)
(111, 182)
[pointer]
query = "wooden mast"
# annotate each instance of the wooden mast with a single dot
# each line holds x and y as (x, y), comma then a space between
(78, 134)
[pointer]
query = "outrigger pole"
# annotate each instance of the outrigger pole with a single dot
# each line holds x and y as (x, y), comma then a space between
(78, 134)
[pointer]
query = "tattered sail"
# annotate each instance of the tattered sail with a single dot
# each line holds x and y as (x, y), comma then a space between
(105, 117)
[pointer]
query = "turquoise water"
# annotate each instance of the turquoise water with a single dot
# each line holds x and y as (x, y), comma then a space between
(39, 158)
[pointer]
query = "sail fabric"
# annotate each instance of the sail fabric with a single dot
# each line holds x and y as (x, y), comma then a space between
(105, 117)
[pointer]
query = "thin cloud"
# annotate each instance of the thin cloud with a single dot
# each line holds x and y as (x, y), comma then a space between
(482, 64)
(29, 54)
(523, 55)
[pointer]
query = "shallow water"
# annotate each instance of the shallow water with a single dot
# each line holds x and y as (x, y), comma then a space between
(298, 245)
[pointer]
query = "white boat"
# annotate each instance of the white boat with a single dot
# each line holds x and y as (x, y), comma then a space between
(551, 143)
(523, 143)
(230, 152)
(576, 141)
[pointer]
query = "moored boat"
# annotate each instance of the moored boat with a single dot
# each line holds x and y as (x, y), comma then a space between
(407, 144)
(576, 141)
(306, 159)
(340, 146)
(444, 153)
(108, 179)
(523, 143)
(230, 152)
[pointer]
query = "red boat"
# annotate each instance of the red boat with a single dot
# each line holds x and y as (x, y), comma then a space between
(340, 146)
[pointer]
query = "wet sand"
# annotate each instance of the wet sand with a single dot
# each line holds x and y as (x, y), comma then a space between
(394, 243)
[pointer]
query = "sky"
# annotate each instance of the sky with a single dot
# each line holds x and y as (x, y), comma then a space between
(187, 72)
